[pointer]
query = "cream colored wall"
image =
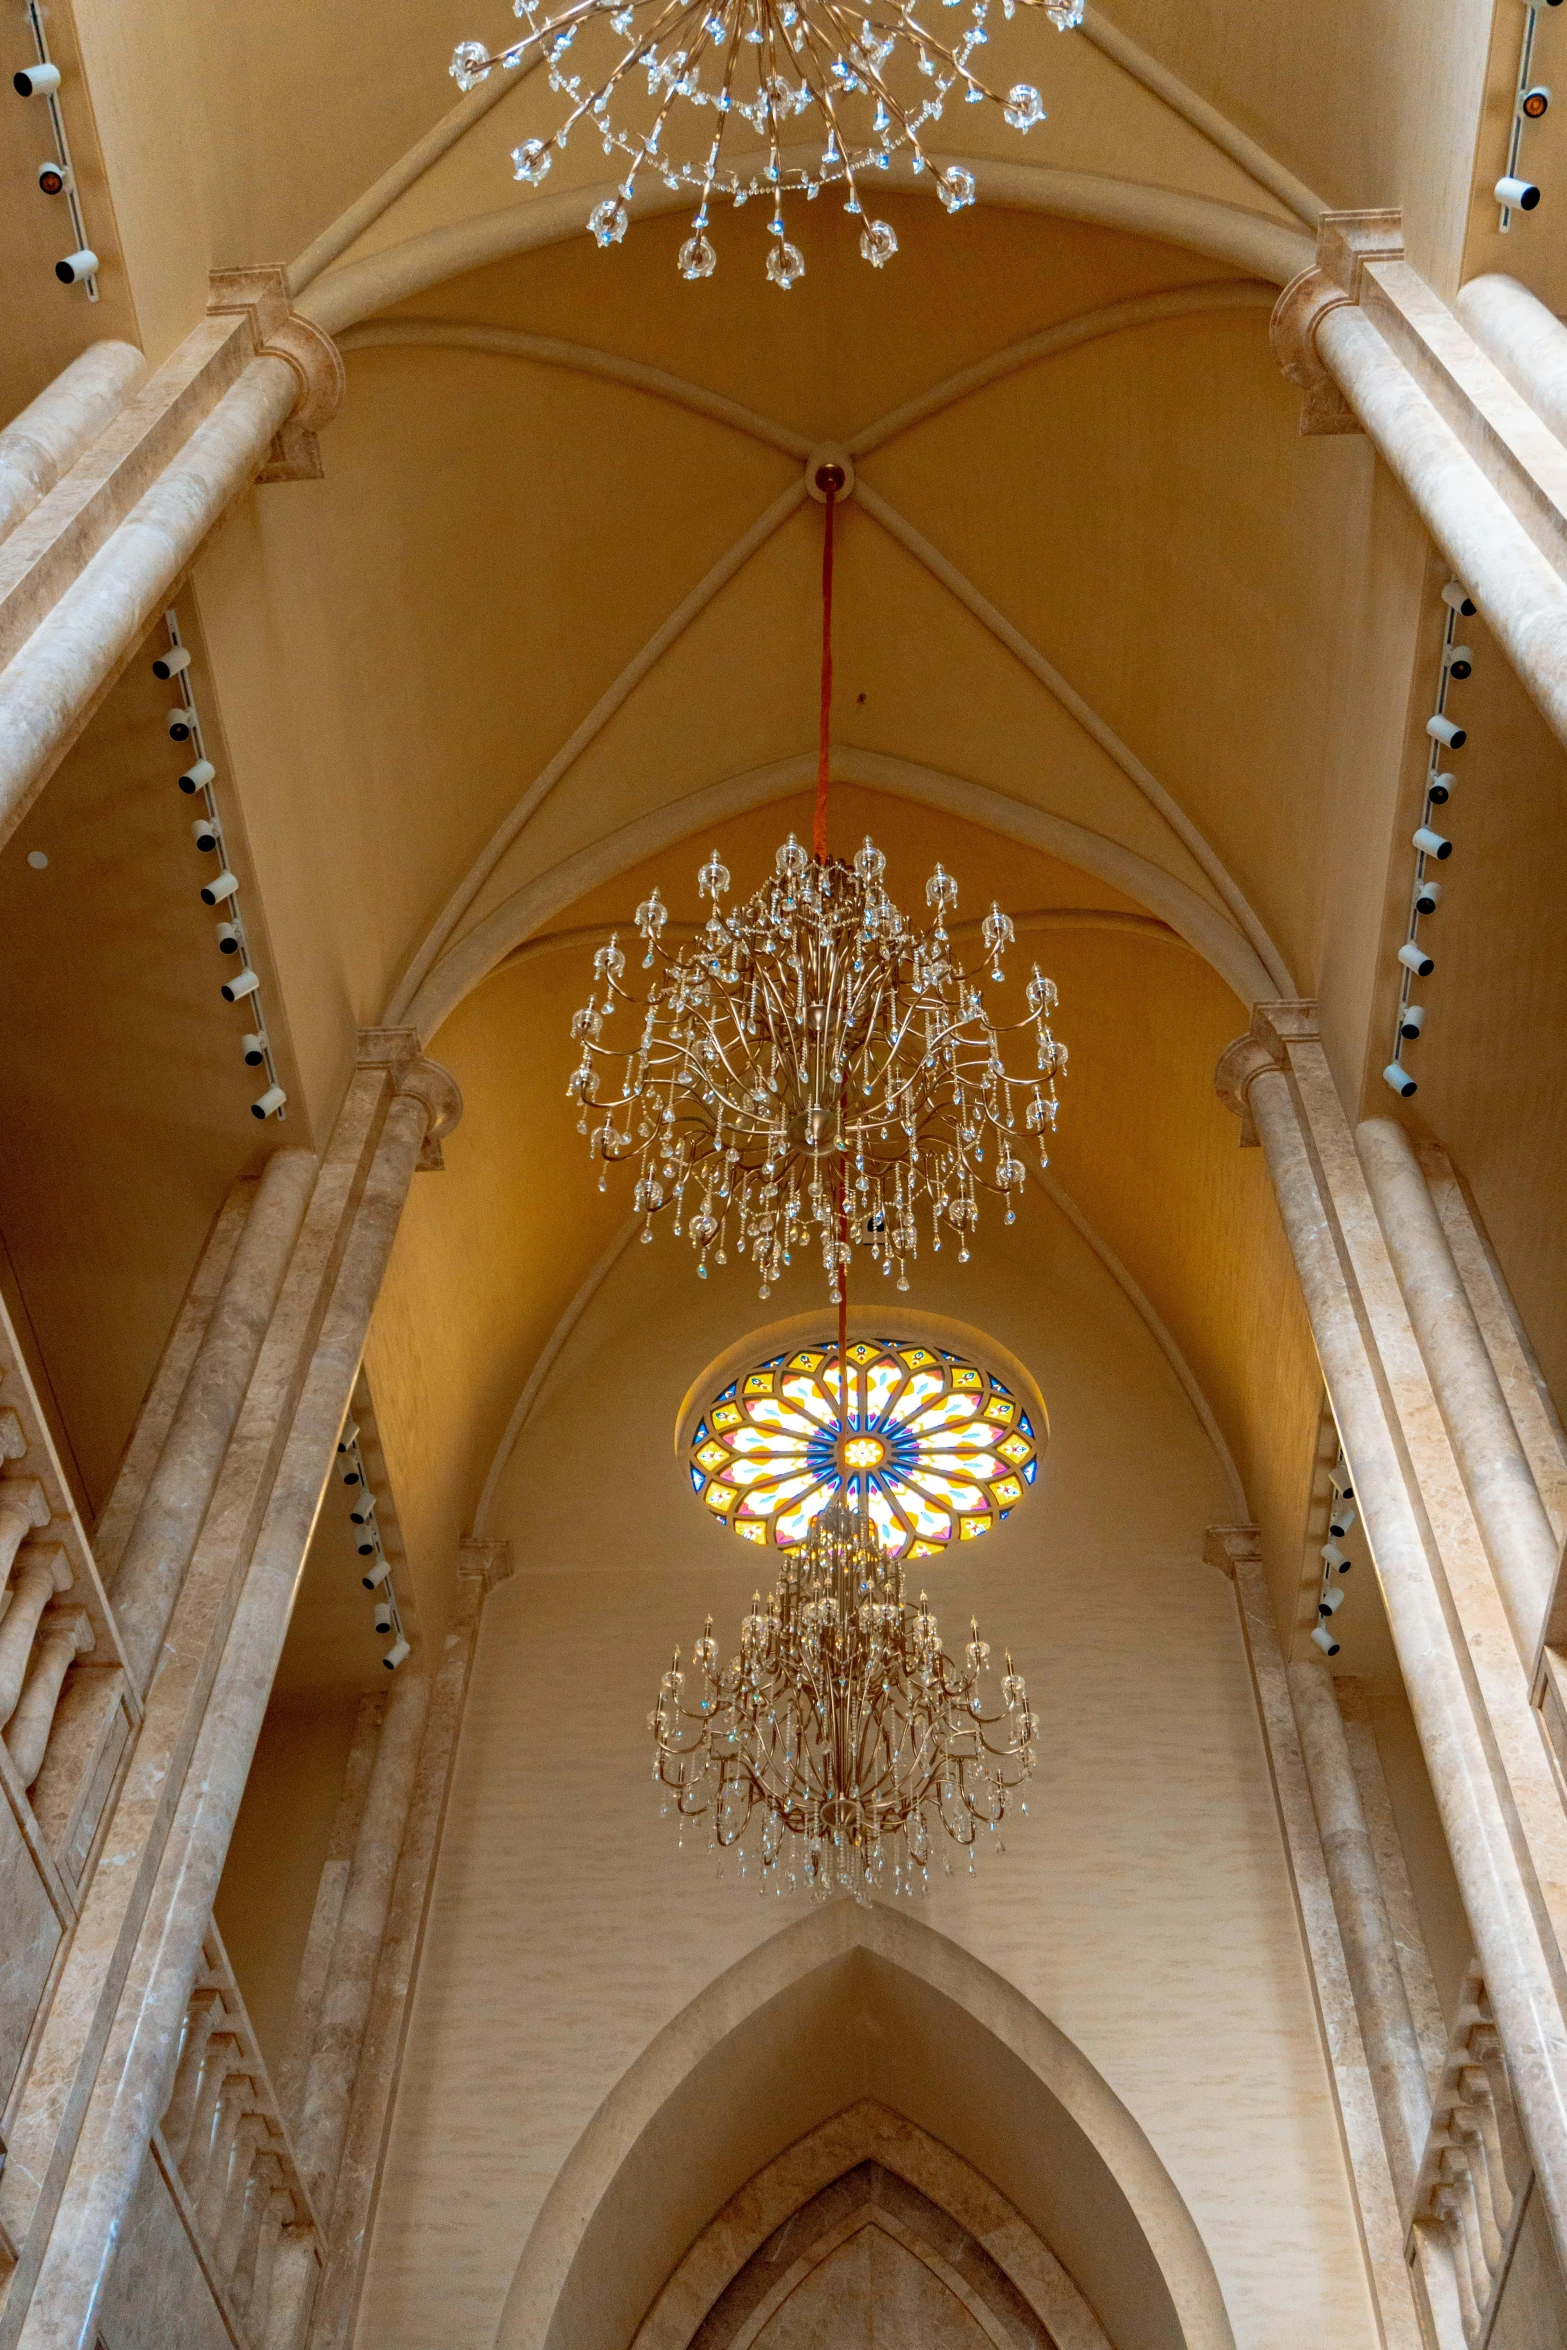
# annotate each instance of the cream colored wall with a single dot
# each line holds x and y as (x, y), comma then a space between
(1370, 106)
(1144, 1905)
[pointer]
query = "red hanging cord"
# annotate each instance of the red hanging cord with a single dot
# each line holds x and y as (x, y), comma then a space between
(830, 477)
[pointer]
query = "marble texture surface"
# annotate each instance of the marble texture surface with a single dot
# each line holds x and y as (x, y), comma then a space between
(158, 2295)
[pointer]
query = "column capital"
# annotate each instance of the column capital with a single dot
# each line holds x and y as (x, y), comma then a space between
(1229, 1547)
(488, 1563)
(1265, 1045)
(400, 1052)
(1346, 241)
(280, 332)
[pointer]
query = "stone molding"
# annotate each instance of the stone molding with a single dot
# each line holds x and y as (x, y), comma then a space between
(1274, 1027)
(400, 1052)
(1346, 241)
(280, 332)
(1228, 1547)
(488, 1563)
(786, 2188)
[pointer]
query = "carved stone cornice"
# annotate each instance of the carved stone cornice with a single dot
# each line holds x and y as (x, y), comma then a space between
(279, 332)
(1274, 1027)
(400, 1052)
(1226, 1547)
(1346, 241)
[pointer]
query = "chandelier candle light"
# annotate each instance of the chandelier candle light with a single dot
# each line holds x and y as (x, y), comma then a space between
(870, 79)
(813, 1060)
(843, 1742)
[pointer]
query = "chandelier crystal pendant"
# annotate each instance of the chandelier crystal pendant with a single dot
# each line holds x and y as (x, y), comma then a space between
(844, 1745)
(862, 83)
(814, 1064)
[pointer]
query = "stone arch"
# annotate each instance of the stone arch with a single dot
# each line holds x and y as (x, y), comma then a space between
(848, 2004)
(785, 2225)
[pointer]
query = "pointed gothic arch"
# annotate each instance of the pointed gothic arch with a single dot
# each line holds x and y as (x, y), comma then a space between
(847, 2005)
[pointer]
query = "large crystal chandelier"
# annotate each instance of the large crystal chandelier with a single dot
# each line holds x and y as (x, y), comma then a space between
(814, 1063)
(844, 1746)
(864, 82)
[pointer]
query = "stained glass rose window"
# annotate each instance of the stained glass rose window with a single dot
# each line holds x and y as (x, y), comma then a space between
(936, 1449)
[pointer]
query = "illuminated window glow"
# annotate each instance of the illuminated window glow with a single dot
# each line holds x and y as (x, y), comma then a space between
(935, 1449)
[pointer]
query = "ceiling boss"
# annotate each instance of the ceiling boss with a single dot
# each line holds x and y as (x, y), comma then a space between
(855, 85)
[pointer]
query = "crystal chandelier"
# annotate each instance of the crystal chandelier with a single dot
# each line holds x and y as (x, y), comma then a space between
(871, 79)
(814, 1060)
(843, 1744)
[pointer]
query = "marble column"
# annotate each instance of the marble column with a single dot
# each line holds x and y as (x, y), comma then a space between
(76, 651)
(163, 1536)
(1496, 1472)
(480, 1566)
(1506, 1892)
(1527, 341)
(44, 442)
(345, 2007)
(1370, 1947)
(75, 2250)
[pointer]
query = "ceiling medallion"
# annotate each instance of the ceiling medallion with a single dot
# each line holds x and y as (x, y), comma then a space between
(930, 1447)
(871, 83)
(844, 1745)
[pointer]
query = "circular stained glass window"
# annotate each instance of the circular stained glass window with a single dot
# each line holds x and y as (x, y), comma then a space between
(934, 1448)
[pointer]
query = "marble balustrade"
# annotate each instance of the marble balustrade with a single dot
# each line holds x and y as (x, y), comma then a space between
(224, 2151)
(1475, 2174)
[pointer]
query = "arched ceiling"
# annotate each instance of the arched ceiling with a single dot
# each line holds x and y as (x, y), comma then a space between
(1112, 640)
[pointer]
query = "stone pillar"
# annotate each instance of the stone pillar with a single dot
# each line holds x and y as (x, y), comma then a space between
(1374, 349)
(1237, 1552)
(316, 1965)
(163, 1537)
(94, 562)
(1523, 1550)
(1498, 1799)
(44, 442)
(480, 1566)
(24, 1510)
(345, 2008)
(101, 2072)
(1392, 2048)
(1526, 341)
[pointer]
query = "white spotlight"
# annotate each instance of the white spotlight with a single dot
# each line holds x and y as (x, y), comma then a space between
(36, 81)
(1416, 959)
(170, 663)
(1440, 790)
(1457, 597)
(1339, 1525)
(395, 1655)
(198, 777)
(219, 889)
(1398, 1077)
(1442, 730)
(1325, 1640)
(267, 1105)
(374, 1576)
(1429, 843)
(242, 984)
(204, 833)
(1333, 1558)
(254, 1048)
(1411, 1021)
(77, 266)
(228, 940)
(182, 725)
(383, 1614)
(1518, 195)
(1428, 896)
(1330, 1602)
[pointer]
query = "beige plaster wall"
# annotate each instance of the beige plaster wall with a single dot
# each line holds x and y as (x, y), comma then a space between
(1144, 1905)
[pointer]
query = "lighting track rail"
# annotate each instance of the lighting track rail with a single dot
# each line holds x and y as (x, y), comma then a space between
(57, 175)
(377, 1576)
(1431, 847)
(197, 782)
